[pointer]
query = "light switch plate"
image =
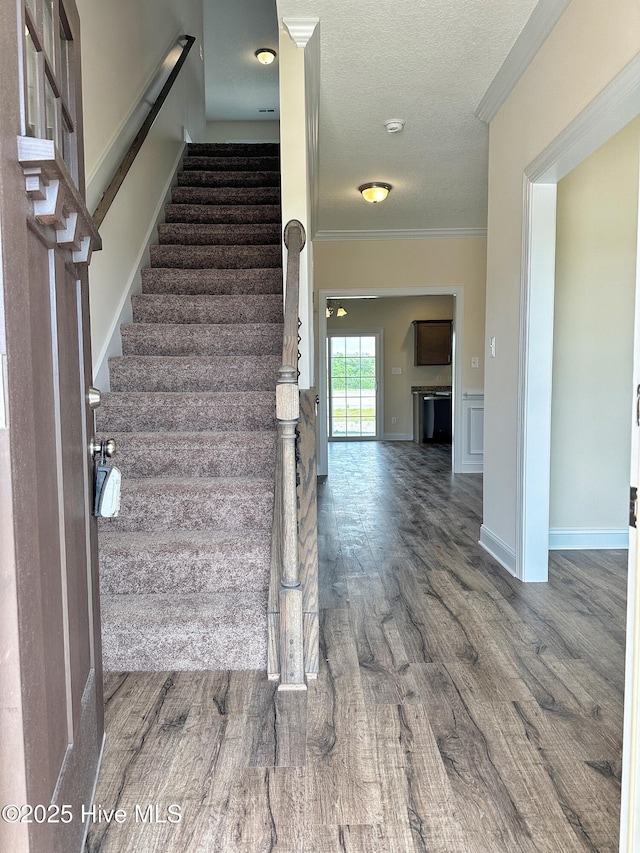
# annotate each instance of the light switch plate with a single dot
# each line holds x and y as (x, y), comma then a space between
(396, 371)
(474, 361)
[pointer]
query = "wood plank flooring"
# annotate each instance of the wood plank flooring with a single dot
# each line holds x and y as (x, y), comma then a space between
(456, 710)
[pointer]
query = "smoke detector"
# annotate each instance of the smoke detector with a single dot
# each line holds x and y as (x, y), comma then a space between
(394, 125)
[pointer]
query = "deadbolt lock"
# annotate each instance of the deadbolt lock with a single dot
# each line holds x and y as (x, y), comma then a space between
(94, 397)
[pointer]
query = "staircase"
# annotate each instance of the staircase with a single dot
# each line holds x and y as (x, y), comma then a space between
(184, 568)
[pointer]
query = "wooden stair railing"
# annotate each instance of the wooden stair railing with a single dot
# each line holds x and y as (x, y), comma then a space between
(185, 42)
(286, 657)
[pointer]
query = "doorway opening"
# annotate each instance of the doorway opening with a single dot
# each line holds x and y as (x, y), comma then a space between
(397, 373)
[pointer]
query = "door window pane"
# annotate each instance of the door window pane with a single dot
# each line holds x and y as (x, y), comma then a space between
(33, 90)
(50, 112)
(47, 23)
(352, 387)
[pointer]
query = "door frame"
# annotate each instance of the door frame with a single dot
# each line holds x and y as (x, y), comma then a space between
(609, 112)
(378, 334)
(457, 291)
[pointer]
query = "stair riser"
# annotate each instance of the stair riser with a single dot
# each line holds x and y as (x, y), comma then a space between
(155, 308)
(223, 214)
(233, 149)
(224, 257)
(219, 455)
(226, 195)
(172, 632)
(151, 373)
(164, 505)
(233, 565)
(212, 281)
(161, 339)
(231, 164)
(183, 412)
(229, 179)
(219, 235)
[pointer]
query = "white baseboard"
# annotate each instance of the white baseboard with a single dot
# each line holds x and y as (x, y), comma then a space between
(584, 539)
(471, 468)
(397, 436)
(498, 549)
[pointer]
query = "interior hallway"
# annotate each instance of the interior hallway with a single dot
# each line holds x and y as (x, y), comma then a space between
(456, 709)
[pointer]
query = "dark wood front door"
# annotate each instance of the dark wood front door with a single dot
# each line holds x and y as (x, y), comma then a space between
(51, 726)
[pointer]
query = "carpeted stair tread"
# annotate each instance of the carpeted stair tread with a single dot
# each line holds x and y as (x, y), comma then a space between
(212, 281)
(169, 631)
(206, 308)
(191, 503)
(150, 411)
(228, 257)
(257, 178)
(198, 234)
(226, 195)
(193, 373)
(233, 149)
(223, 213)
(191, 562)
(180, 339)
(231, 163)
(196, 454)
(185, 566)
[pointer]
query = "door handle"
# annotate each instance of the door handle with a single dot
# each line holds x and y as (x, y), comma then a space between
(103, 446)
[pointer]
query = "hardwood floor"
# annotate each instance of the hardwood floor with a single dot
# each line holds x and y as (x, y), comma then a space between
(456, 710)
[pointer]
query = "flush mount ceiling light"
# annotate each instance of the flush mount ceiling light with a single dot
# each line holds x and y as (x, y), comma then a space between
(265, 55)
(375, 192)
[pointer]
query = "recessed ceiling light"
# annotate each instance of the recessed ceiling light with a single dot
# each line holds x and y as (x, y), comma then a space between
(375, 192)
(265, 55)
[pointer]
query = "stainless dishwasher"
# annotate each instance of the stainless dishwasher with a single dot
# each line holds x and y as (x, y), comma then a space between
(432, 417)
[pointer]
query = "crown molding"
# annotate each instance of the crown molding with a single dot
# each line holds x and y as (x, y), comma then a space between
(405, 234)
(301, 29)
(543, 19)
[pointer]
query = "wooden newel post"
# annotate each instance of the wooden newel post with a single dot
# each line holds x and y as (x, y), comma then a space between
(286, 642)
(291, 627)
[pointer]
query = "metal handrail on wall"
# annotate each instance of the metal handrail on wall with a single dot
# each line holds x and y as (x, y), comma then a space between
(186, 43)
(285, 557)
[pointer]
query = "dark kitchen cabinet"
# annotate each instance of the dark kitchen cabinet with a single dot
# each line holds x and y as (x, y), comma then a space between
(433, 341)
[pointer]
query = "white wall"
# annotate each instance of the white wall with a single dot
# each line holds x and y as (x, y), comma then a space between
(597, 221)
(299, 94)
(242, 131)
(592, 42)
(371, 264)
(123, 45)
(395, 316)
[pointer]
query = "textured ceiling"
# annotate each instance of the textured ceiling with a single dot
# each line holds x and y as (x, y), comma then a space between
(428, 62)
(238, 88)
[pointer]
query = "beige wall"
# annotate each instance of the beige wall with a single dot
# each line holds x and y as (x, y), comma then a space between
(593, 337)
(242, 131)
(376, 264)
(591, 43)
(395, 316)
(123, 45)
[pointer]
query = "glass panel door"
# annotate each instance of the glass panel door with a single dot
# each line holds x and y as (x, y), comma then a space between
(353, 386)
(49, 85)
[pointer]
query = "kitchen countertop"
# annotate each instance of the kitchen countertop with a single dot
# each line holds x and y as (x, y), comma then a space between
(429, 389)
